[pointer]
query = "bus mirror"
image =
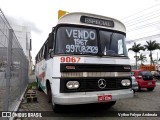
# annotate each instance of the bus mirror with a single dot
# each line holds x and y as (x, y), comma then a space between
(50, 41)
(53, 29)
(51, 54)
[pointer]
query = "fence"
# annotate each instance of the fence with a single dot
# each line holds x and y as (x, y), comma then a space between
(13, 67)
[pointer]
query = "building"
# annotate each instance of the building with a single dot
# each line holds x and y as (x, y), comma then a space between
(23, 34)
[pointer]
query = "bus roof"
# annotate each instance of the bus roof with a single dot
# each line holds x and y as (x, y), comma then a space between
(75, 18)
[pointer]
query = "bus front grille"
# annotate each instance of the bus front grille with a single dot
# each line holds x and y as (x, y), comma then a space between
(91, 84)
(94, 74)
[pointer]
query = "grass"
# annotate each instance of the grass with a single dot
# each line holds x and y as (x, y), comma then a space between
(33, 84)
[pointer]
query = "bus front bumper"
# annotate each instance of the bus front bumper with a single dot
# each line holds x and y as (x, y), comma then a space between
(90, 97)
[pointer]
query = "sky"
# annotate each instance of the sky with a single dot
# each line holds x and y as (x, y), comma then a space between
(42, 15)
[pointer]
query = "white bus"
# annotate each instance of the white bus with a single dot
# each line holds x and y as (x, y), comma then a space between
(84, 60)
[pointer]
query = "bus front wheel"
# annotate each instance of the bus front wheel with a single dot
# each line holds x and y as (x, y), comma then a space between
(55, 107)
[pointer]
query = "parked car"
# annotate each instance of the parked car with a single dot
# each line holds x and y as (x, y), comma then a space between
(134, 84)
(156, 75)
(145, 79)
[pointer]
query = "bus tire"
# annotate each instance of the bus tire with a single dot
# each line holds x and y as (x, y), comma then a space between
(55, 107)
(49, 93)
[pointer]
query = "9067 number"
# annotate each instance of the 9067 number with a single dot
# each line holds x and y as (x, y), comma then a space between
(70, 59)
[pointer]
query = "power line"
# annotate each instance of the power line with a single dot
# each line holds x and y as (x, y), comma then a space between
(142, 16)
(143, 19)
(146, 32)
(141, 11)
(144, 26)
(144, 38)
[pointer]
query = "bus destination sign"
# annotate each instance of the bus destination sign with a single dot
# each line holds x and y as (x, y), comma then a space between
(96, 21)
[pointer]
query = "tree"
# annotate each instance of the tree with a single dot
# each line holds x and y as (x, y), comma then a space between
(151, 46)
(155, 61)
(136, 48)
(142, 58)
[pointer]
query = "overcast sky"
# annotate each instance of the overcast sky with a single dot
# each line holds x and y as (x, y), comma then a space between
(42, 15)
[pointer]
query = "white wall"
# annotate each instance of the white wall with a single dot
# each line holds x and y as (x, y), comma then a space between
(23, 35)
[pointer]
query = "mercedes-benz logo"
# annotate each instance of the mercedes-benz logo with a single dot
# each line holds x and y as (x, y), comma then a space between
(101, 83)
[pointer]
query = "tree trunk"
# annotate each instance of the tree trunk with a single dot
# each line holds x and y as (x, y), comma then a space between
(136, 61)
(151, 57)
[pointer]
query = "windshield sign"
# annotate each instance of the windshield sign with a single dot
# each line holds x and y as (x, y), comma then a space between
(83, 41)
(77, 40)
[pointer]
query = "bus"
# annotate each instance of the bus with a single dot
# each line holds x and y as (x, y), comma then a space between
(84, 60)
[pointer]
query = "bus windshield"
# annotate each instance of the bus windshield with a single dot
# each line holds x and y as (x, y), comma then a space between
(84, 41)
(112, 43)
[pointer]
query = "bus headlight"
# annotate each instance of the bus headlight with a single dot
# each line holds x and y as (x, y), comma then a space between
(72, 84)
(125, 82)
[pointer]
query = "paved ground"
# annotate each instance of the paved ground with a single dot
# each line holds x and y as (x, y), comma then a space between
(142, 101)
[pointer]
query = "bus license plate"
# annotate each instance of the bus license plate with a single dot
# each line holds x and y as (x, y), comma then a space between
(104, 98)
(149, 83)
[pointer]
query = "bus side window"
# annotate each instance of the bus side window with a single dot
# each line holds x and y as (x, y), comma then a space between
(50, 40)
(36, 59)
(41, 54)
(46, 52)
(43, 50)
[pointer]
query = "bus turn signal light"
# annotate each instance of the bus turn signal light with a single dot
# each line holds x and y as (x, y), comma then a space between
(70, 67)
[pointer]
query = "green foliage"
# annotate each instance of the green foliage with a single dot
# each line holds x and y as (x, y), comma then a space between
(136, 48)
(142, 58)
(151, 46)
(33, 84)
